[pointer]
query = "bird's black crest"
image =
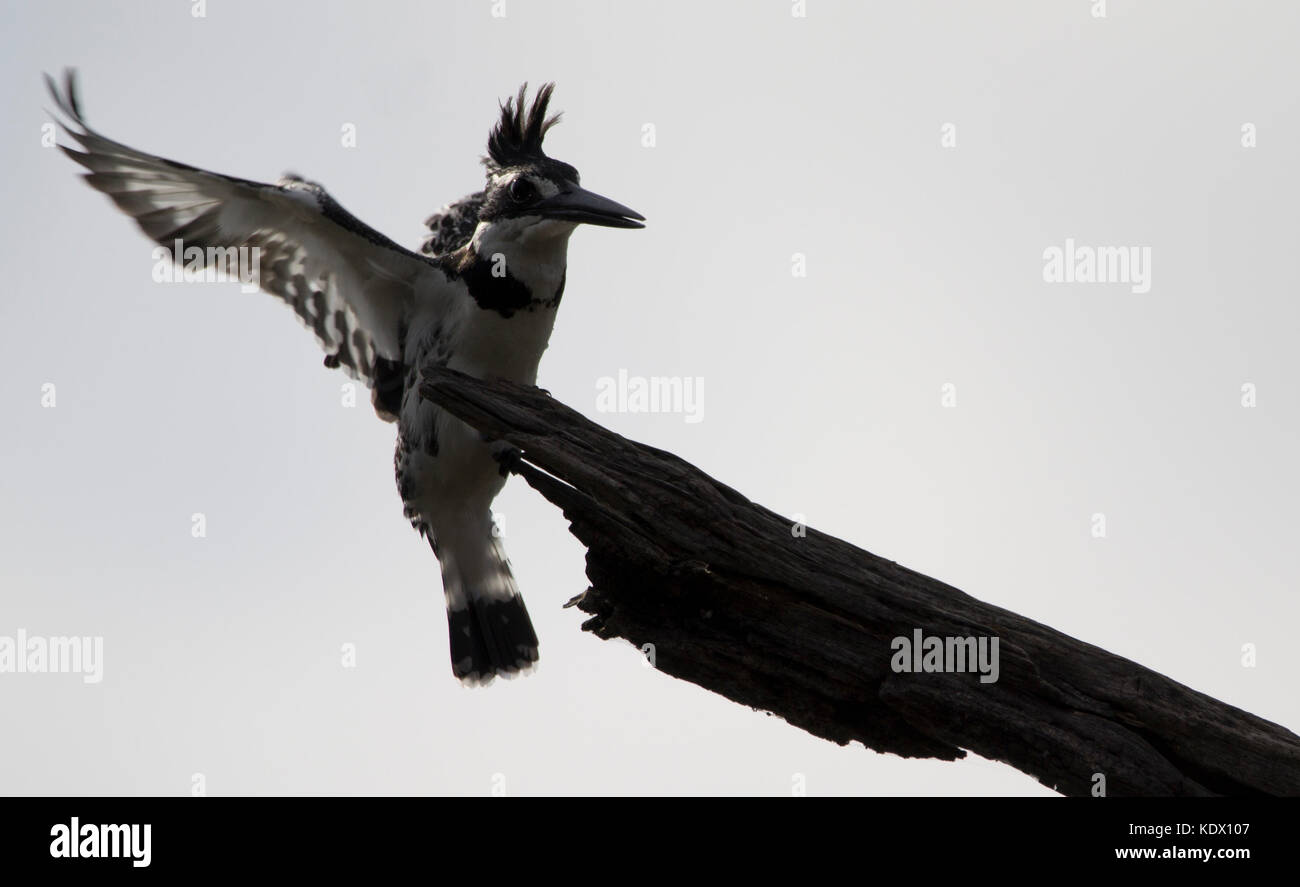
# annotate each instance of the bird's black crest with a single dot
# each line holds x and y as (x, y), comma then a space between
(517, 137)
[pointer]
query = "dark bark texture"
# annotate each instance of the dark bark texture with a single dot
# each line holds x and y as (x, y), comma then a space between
(733, 599)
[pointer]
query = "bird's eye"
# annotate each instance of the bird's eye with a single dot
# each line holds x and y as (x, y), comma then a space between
(522, 190)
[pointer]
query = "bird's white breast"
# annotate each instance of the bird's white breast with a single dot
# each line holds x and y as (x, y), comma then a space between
(492, 346)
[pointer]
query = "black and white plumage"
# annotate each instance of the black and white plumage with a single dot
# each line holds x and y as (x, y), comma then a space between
(482, 299)
(451, 227)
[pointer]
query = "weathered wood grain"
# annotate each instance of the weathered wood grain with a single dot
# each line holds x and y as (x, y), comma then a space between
(735, 602)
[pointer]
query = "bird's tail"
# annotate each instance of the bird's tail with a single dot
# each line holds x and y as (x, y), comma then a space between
(488, 624)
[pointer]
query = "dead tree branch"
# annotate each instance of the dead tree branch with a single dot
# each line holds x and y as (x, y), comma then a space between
(735, 602)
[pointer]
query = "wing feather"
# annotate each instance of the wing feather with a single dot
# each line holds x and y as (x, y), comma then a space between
(350, 285)
(451, 227)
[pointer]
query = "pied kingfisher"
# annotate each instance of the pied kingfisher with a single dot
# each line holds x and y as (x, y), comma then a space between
(481, 299)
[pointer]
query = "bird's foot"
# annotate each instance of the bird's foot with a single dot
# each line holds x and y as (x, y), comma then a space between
(508, 459)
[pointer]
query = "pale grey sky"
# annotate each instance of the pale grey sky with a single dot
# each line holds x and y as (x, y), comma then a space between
(774, 135)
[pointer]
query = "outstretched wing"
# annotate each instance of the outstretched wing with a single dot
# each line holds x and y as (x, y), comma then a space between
(451, 227)
(351, 285)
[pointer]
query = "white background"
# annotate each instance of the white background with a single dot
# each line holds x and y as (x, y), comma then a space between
(775, 135)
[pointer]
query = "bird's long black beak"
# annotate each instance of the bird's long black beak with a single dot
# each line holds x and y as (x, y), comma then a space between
(576, 204)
